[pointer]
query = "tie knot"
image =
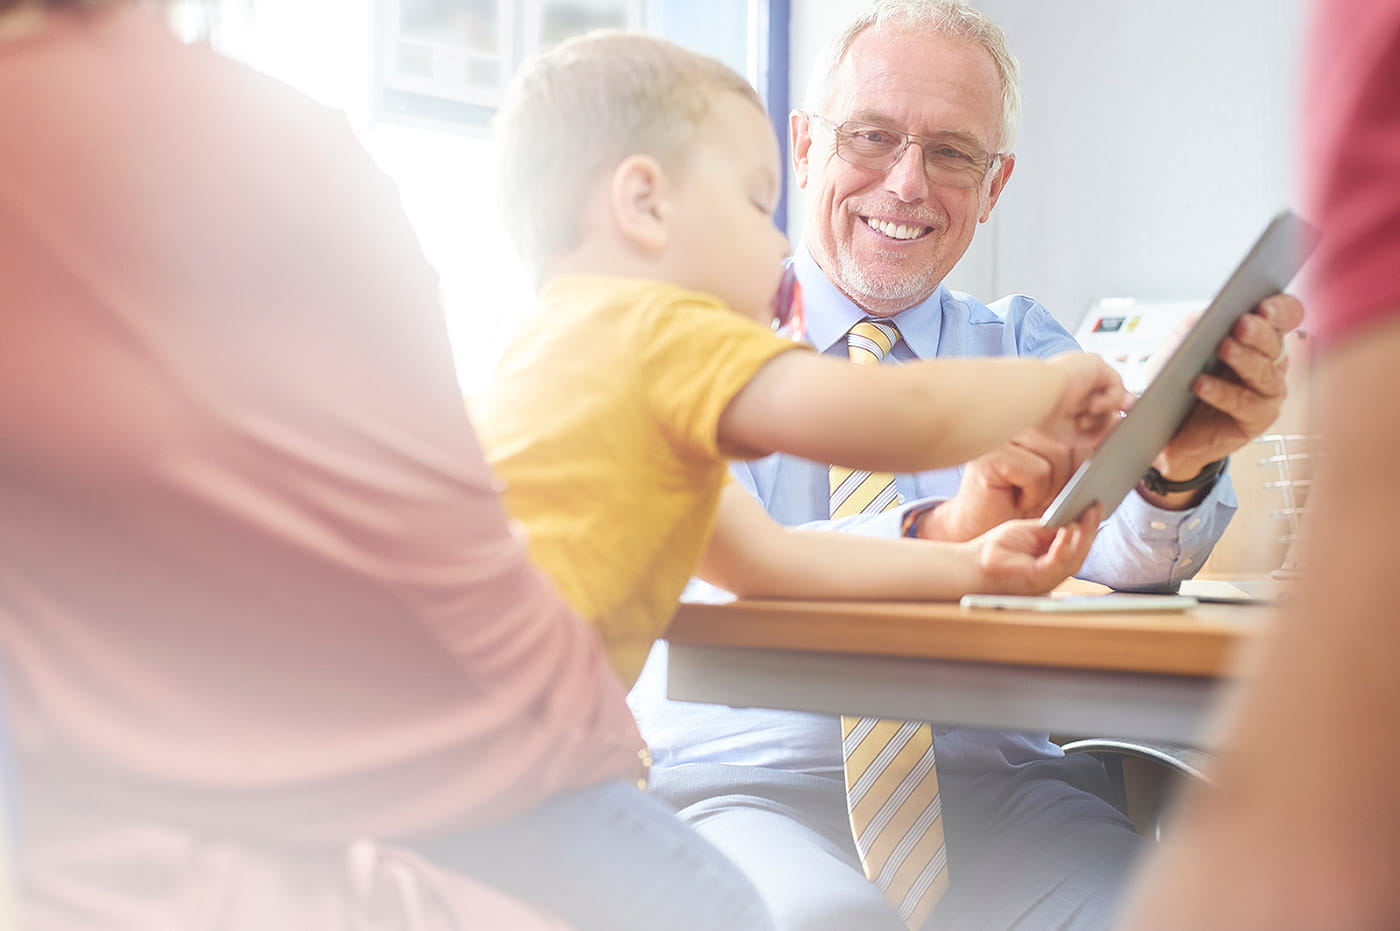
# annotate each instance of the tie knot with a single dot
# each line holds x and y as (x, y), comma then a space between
(870, 341)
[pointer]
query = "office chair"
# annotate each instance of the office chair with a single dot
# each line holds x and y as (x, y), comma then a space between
(1145, 776)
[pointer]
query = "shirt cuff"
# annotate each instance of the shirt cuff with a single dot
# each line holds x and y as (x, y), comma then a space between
(889, 524)
(909, 523)
(1163, 524)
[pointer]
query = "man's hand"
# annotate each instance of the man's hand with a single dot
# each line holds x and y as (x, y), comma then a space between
(1235, 410)
(1023, 558)
(1017, 480)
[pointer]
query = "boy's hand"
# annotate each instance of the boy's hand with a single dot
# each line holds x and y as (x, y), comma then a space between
(1090, 402)
(1020, 557)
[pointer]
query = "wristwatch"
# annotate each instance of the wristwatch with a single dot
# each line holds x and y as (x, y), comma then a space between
(1153, 480)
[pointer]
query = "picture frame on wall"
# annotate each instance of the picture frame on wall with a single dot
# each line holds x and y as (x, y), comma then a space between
(442, 61)
(549, 22)
(445, 63)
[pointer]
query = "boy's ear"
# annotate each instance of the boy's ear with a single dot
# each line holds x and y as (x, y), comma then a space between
(638, 200)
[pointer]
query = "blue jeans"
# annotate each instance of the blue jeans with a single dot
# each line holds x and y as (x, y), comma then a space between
(610, 858)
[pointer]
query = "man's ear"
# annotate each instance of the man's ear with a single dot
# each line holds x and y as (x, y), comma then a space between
(800, 129)
(638, 200)
(1005, 165)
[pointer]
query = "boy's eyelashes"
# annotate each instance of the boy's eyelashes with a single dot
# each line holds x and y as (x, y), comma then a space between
(764, 205)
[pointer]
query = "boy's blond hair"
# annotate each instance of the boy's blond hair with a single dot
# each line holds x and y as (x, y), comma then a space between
(575, 112)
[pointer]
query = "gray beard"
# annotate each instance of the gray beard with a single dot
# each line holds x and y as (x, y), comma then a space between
(906, 291)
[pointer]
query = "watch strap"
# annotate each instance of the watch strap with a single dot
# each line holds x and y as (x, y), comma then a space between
(1155, 482)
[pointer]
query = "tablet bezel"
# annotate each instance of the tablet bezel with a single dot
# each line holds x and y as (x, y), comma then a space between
(1126, 453)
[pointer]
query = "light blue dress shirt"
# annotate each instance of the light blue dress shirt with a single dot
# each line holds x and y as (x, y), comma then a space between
(1138, 547)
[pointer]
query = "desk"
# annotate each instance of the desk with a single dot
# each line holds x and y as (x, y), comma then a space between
(1149, 676)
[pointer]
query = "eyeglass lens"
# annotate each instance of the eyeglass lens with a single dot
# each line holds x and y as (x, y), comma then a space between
(946, 162)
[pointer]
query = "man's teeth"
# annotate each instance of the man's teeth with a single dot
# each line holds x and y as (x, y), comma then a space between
(895, 230)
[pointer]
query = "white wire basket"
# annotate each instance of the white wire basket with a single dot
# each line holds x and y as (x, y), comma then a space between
(1291, 460)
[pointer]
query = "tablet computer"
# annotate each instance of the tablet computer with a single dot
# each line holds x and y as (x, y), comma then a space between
(1114, 601)
(1127, 452)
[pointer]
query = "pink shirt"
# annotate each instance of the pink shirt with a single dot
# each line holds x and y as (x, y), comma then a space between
(1352, 158)
(257, 588)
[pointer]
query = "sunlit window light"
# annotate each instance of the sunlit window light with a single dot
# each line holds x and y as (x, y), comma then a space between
(326, 49)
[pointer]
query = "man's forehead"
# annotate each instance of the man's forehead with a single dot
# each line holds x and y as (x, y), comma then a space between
(903, 75)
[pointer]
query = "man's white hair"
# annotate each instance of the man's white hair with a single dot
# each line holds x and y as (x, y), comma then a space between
(954, 18)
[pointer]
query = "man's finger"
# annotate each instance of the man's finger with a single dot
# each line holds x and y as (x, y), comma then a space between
(1255, 368)
(1283, 311)
(1257, 333)
(1247, 407)
(1041, 444)
(1037, 473)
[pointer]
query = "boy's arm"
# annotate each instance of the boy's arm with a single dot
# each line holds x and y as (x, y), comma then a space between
(887, 418)
(753, 556)
(903, 418)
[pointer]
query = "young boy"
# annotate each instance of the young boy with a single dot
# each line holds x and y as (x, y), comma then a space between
(639, 181)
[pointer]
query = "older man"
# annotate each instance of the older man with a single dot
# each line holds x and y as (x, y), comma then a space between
(905, 146)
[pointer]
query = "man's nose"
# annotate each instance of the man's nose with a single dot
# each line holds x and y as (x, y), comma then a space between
(906, 178)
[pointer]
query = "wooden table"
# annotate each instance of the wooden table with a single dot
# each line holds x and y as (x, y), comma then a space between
(1147, 676)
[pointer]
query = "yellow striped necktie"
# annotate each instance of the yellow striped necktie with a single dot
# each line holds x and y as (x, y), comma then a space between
(856, 491)
(891, 780)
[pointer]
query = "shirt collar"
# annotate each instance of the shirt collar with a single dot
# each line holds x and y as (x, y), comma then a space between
(830, 314)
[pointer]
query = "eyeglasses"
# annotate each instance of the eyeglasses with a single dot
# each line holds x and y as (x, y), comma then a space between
(948, 161)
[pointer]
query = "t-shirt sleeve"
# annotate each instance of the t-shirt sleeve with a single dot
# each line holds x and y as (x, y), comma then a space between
(697, 356)
(1352, 142)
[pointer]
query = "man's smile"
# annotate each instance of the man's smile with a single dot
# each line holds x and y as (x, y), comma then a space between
(893, 230)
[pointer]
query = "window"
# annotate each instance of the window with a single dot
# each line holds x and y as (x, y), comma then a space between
(448, 61)
(418, 78)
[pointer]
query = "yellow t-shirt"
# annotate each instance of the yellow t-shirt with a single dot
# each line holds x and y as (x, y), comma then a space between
(602, 422)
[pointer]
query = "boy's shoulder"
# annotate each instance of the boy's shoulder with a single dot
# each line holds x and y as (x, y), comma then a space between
(645, 322)
(679, 341)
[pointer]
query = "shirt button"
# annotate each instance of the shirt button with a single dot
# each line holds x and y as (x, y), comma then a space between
(1157, 525)
(1186, 561)
(941, 730)
(1193, 523)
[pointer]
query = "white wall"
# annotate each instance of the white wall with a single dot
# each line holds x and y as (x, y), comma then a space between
(1158, 137)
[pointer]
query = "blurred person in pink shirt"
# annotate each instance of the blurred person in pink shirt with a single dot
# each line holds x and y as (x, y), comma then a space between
(1302, 830)
(266, 633)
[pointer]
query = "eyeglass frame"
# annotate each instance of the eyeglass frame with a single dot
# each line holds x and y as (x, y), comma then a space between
(841, 136)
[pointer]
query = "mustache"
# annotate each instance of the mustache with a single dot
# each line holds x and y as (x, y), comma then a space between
(899, 212)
